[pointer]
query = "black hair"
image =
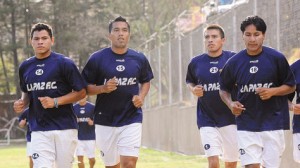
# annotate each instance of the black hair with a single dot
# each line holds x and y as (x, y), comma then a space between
(258, 22)
(118, 19)
(40, 27)
(217, 27)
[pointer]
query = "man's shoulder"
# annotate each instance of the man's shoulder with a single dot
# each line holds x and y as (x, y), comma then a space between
(100, 53)
(75, 105)
(273, 52)
(56, 55)
(228, 53)
(60, 58)
(199, 57)
(135, 53)
(296, 62)
(90, 104)
(295, 65)
(240, 55)
(28, 61)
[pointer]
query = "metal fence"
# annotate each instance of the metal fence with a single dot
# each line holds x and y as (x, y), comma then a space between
(169, 59)
(170, 113)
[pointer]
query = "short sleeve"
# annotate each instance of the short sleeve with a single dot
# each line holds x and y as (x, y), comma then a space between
(190, 77)
(88, 72)
(73, 75)
(146, 71)
(226, 78)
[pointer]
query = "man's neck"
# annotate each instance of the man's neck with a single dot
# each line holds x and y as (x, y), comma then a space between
(82, 104)
(43, 55)
(215, 54)
(119, 50)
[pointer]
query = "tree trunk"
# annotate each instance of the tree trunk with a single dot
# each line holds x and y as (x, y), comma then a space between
(4, 72)
(14, 48)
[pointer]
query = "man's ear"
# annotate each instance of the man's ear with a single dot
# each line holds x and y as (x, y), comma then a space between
(107, 36)
(52, 40)
(224, 40)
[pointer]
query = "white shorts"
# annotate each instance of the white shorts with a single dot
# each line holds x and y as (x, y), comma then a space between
(263, 148)
(220, 142)
(51, 148)
(28, 149)
(86, 148)
(114, 142)
(296, 147)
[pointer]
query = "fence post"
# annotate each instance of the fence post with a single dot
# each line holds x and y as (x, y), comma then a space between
(180, 68)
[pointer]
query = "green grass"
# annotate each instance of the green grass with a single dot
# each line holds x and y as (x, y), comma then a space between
(15, 157)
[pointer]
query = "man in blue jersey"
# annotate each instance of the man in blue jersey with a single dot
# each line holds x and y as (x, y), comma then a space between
(296, 109)
(50, 83)
(84, 111)
(23, 121)
(215, 121)
(263, 79)
(120, 77)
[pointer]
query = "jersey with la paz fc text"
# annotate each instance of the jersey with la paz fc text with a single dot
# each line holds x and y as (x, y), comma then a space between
(296, 118)
(83, 114)
(204, 70)
(131, 69)
(268, 69)
(54, 76)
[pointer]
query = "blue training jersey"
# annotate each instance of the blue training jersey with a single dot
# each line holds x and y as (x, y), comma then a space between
(83, 113)
(24, 115)
(296, 118)
(267, 69)
(53, 76)
(205, 70)
(130, 69)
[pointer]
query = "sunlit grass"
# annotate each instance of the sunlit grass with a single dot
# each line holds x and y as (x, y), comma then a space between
(15, 157)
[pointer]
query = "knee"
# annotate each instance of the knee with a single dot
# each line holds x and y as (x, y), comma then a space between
(230, 164)
(213, 162)
(92, 161)
(213, 165)
(128, 164)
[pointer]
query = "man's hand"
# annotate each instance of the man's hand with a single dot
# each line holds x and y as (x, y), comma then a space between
(22, 123)
(296, 109)
(19, 106)
(47, 102)
(90, 121)
(237, 108)
(137, 101)
(264, 93)
(110, 85)
(198, 90)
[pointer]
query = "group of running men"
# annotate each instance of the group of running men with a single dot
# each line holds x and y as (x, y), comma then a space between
(243, 118)
(51, 83)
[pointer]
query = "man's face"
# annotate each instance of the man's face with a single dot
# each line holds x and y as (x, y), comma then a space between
(119, 35)
(41, 43)
(213, 40)
(253, 40)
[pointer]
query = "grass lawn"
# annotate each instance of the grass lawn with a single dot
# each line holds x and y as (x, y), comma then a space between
(14, 156)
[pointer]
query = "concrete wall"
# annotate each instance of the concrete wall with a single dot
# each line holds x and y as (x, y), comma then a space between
(172, 128)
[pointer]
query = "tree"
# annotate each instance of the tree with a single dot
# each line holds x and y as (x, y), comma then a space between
(80, 27)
